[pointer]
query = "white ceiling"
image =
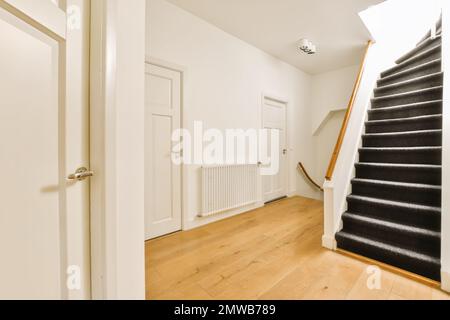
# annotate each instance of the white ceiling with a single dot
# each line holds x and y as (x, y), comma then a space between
(275, 26)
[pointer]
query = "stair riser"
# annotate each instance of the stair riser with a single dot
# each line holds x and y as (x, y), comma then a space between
(423, 196)
(411, 217)
(420, 72)
(413, 111)
(428, 35)
(408, 175)
(429, 270)
(405, 157)
(417, 61)
(426, 45)
(400, 238)
(413, 140)
(404, 126)
(418, 97)
(430, 82)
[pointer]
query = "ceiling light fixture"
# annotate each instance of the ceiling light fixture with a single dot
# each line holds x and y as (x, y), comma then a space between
(307, 46)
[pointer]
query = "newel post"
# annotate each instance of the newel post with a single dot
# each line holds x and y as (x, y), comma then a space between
(328, 239)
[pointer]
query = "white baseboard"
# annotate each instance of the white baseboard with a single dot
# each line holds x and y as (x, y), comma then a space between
(445, 281)
(293, 194)
(329, 242)
(310, 195)
(200, 222)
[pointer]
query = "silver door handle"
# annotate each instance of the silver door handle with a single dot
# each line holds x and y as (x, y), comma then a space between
(81, 174)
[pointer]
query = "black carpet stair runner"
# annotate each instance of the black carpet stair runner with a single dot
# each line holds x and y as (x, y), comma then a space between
(394, 211)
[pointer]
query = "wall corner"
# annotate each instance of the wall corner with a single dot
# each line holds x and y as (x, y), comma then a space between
(117, 110)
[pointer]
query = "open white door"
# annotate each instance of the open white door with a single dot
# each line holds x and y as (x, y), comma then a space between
(44, 216)
(162, 176)
(274, 118)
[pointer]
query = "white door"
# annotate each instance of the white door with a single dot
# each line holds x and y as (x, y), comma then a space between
(44, 217)
(274, 118)
(162, 176)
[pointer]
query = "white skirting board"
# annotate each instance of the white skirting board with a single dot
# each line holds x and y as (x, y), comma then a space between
(198, 221)
(445, 281)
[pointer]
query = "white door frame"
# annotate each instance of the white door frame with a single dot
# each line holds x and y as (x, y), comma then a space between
(117, 156)
(286, 102)
(183, 72)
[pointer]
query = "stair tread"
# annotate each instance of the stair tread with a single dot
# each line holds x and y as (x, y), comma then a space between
(399, 148)
(420, 55)
(393, 225)
(399, 184)
(413, 80)
(400, 165)
(428, 36)
(420, 46)
(410, 119)
(396, 203)
(438, 34)
(405, 106)
(402, 133)
(410, 70)
(397, 95)
(416, 57)
(387, 247)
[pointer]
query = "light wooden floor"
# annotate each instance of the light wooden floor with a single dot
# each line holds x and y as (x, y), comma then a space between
(270, 253)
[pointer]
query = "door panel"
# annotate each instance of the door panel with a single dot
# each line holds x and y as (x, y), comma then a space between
(42, 14)
(162, 177)
(274, 118)
(32, 204)
(36, 241)
(162, 182)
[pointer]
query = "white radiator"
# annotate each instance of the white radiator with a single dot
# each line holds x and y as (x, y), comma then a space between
(228, 187)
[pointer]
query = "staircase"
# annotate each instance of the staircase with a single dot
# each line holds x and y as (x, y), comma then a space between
(394, 211)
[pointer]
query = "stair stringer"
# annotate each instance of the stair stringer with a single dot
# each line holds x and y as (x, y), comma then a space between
(339, 187)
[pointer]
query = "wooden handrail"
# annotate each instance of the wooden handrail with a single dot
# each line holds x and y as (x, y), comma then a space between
(302, 167)
(351, 104)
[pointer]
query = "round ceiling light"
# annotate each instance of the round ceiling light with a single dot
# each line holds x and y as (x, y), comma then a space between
(307, 46)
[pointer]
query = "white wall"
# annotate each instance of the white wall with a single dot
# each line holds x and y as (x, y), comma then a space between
(225, 80)
(417, 18)
(445, 233)
(331, 93)
(324, 144)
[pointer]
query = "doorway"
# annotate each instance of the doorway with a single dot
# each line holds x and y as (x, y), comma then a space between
(163, 200)
(274, 118)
